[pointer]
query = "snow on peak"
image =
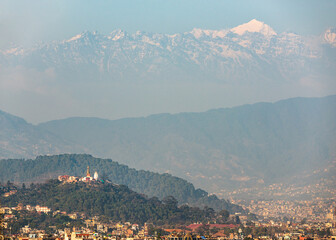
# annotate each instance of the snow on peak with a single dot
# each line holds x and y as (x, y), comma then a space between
(86, 34)
(330, 36)
(254, 26)
(13, 51)
(198, 33)
(117, 34)
(78, 36)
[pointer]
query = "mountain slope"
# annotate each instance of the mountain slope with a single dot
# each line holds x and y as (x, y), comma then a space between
(21, 139)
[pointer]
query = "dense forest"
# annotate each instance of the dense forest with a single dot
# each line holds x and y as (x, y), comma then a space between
(116, 202)
(146, 182)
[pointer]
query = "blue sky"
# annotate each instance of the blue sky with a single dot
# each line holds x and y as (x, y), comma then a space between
(27, 22)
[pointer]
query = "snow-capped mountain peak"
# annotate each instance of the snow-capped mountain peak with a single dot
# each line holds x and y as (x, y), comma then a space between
(117, 34)
(330, 36)
(254, 26)
(198, 33)
(83, 35)
(78, 36)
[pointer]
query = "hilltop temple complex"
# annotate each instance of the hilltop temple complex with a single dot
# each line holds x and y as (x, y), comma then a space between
(87, 178)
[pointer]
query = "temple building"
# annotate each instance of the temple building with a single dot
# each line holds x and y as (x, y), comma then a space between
(95, 176)
(88, 177)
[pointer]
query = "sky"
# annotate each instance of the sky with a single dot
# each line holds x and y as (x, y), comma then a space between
(26, 23)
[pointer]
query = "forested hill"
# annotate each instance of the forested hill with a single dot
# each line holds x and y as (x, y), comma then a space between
(116, 202)
(146, 182)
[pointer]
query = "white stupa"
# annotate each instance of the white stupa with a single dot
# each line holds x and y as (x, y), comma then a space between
(95, 176)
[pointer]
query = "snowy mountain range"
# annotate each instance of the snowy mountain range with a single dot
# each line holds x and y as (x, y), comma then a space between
(249, 52)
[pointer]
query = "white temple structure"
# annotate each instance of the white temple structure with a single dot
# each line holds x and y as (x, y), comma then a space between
(95, 176)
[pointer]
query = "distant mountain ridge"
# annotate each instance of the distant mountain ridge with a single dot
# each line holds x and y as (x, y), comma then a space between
(249, 52)
(219, 149)
(21, 139)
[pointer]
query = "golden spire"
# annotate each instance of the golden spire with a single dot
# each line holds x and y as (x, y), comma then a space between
(88, 172)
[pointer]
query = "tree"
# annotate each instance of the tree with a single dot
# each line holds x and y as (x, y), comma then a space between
(170, 202)
(8, 185)
(223, 216)
(304, 221)
(104, 176)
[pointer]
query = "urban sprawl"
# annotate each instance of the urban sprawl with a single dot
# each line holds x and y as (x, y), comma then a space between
(282, 220)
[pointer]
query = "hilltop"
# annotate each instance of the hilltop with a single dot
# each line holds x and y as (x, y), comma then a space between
(116, 202)
(149, 183)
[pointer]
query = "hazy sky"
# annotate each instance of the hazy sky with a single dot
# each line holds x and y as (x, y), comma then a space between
(25, 22)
